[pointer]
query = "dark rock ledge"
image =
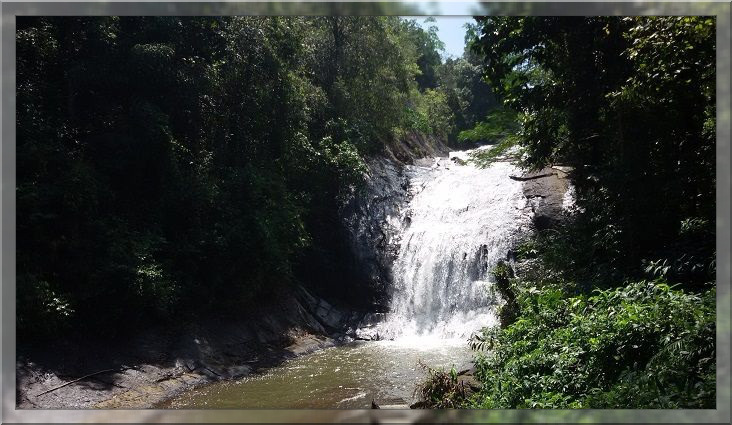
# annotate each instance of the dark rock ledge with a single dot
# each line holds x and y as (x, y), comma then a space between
(154, 366)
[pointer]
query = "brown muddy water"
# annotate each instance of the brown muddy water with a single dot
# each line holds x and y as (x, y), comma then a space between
(348, 376)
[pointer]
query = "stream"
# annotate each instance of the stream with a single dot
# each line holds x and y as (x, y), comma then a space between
(459, 221)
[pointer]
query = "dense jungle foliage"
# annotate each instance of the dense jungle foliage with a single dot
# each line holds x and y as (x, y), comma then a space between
(173, 166)
(615, 308)
(629, 103)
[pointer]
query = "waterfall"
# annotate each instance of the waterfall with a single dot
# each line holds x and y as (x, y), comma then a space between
(460, 221)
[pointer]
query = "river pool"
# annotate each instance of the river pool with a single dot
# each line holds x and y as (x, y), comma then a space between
(345, 376)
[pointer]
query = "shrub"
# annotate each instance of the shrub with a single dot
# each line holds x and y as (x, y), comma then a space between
(643, 345)
(442, 389)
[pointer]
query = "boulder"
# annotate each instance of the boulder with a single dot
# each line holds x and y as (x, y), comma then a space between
(545, 193)
(458, 161)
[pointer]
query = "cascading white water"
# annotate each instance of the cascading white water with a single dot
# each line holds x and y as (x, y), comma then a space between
(460, 222)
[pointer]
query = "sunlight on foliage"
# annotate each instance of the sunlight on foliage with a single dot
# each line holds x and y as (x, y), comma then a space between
(643, 345)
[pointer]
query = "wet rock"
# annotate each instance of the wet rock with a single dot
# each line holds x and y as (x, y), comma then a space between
(419, 405)
(415, 146)
(372, 218)
(367, 334)
(237, 371)
(309, 344)
(545, 194)
(326, 318)
(366, 329)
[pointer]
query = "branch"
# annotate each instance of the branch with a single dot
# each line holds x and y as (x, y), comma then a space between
(531, 177)
(76, 380)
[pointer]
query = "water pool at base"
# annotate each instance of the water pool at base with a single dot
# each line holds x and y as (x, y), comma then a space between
(344, 377)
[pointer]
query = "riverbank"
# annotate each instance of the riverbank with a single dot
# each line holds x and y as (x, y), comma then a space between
(160, 363)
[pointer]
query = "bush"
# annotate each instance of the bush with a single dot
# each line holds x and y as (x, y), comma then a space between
(441, 390)
(643, 345)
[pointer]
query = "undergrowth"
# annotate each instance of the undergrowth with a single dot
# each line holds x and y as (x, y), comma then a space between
(642, 345)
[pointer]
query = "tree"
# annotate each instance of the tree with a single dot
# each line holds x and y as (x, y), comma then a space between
(176, 166)
(628, 103)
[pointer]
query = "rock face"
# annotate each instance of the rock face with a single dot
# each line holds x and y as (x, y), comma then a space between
(367, 329)
(548, 194)
(372, 217)
(415, 146)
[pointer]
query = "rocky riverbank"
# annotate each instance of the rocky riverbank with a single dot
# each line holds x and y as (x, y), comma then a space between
(159, 363)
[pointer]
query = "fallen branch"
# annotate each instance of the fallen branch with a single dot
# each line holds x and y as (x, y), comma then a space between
(76, 380)
(531, 177)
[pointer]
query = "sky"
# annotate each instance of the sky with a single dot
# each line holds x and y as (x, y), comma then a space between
(450, 31)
